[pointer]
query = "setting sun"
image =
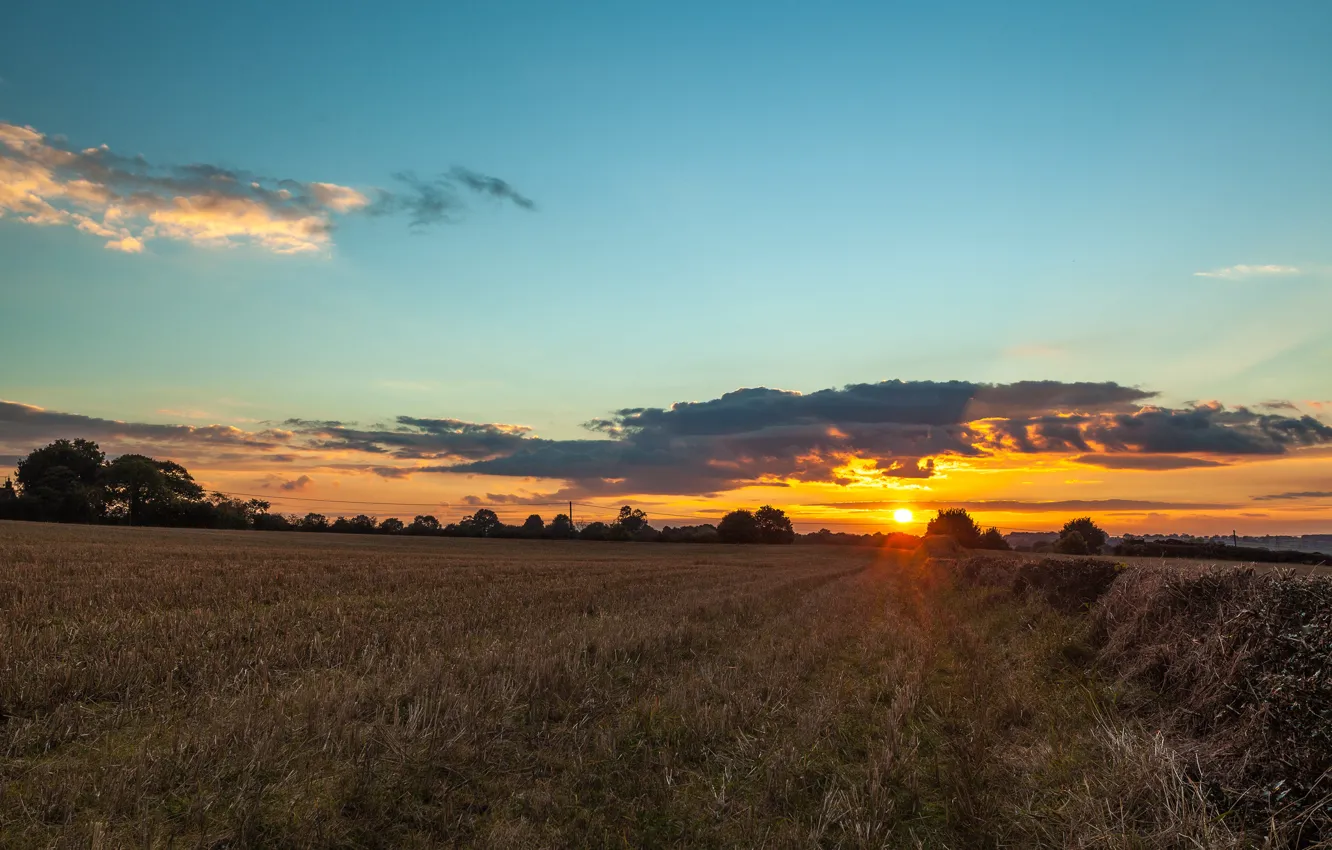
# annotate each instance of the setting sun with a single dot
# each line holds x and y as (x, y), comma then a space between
(902, 515)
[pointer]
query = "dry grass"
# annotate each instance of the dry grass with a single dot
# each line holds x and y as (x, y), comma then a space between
(220, 689)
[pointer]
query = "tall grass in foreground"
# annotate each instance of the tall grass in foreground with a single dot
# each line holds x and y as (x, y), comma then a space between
(179, 688)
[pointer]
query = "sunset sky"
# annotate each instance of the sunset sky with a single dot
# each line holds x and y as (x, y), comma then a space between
(1035, 259)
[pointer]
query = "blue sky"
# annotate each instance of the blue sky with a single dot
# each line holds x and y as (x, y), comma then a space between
(762, 194)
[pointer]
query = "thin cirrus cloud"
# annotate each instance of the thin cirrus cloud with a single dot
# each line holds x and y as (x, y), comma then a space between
(1294, 496)
(1241, 272)
(884, 433)
(128, 201)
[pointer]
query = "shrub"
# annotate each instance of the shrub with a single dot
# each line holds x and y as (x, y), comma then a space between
(1072, 543)
(739, 527)
(1093, 537)
(957, 524)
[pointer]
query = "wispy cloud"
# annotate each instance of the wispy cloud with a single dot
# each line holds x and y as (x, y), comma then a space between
(128, 201)
(1294, 496)
(1245, 271)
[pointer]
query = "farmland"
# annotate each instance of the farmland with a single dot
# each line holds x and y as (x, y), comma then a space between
(222, 689)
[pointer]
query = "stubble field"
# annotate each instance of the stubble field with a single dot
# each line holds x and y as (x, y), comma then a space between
(219, 689)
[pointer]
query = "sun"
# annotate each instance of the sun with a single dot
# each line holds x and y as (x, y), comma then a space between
(902, 515)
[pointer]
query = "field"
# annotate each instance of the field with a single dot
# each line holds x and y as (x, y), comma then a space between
(219, 689)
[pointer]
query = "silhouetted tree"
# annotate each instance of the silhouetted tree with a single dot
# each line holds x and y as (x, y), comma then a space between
(689, 534)
(773, 525)
(359, 524)
(993, 539)
(313, 522)
(1092, 535)
(561, 528)
(595, 531)
(83, 458)
(60, 482)
(392, 525)
(483, 523)
(424, 525)
(145, 488)
(631, 520)
(957, 524)
(535, 526)
(1071, 543)
(739, 527)
(265, 521)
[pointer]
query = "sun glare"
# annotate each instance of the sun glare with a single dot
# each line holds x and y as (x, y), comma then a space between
(902, 515)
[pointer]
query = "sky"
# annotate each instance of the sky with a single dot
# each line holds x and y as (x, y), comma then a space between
(414, 257)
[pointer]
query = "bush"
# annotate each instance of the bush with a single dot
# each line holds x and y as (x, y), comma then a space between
(739, 527)
(1093, 538)
(1072, 543)
(993, 540)
(1236, 661)
(957, 524)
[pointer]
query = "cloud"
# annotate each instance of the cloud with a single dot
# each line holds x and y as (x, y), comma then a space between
(1306, 494)
(24, 427)
(296, 485)
(126, 245)
(888, 434)
(886, 431)
(500, 499)
(492, 186)
(415, 438)
(128, 201)
(1244, 271)
(1208, 428)
(1146, 462)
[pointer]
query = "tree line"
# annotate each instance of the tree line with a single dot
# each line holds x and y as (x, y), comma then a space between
(73, 481)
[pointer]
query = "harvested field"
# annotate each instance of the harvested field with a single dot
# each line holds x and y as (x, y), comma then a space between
(227, 689)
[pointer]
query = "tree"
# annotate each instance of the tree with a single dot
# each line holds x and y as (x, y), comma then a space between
(359, 524)
(424, 525)
(59, 483)
(561, 528)
(595, 531)
(313, 522)
(483, 523)
(83, 458)
(1072, 543)
(145, 488)
(739, 527)
(957, 524)
(1092, 535)
(535, 526)
(773, 525)
(631, 520)
(992, 539)
(392, 525)
(264, 521)
(219, 511)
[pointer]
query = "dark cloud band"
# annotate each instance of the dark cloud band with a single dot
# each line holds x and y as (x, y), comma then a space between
(859, 433)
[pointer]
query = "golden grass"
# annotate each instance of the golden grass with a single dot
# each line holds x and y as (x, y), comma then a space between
(225, 689)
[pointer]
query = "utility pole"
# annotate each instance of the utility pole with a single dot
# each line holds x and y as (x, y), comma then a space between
(1234, 538)
(571, 522)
